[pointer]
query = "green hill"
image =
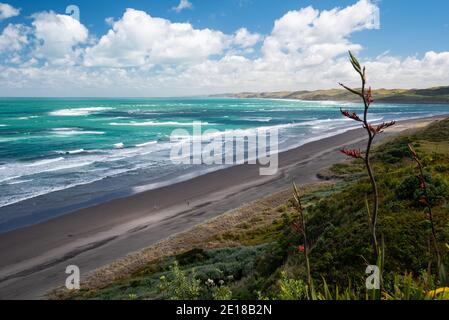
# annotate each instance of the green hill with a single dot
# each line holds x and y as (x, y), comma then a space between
(438, 95)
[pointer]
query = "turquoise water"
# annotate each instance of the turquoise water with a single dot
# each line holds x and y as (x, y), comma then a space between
(73, 145)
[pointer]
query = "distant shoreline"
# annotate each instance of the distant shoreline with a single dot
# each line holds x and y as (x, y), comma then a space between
(104, 233)
(436, 95)
(336, 101)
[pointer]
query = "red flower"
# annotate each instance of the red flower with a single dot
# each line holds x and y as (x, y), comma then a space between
(423, 200)
(301, 248)
(369, 96)
(423, 185)
(379, 128)
(357, 154)
(297, 226)
(352, 116)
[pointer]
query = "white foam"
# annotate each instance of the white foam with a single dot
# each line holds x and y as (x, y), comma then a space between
(331, 103)
(44, 162)
(153, 123)
(61, 129)
(119, 145)
(181, 139)
(19, 182)
(73, 132)
(78, 111)
(75, 151)
(4, 125)
(37, 191)
(68, 166)
(146, 144)
(27, 118)
(17, 199)
(12, 170)
(9, 178)
(259, 119)
(324, 123)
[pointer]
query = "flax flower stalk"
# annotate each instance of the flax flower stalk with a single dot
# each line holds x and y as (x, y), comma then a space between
(426, 201)
(300, 227)
(372, 130)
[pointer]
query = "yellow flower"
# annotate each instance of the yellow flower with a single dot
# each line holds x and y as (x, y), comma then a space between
(440, 293)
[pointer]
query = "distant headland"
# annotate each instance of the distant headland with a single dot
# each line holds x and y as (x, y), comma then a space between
(438, 95)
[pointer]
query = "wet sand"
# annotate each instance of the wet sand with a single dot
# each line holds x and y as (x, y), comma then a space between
(33, 259)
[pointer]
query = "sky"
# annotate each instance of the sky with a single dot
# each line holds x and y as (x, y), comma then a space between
(138, 48)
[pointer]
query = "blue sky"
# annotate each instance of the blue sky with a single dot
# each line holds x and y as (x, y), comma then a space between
(407, 27)
(409, 31)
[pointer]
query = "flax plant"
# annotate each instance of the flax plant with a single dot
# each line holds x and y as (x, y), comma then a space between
(300, 227)
(424, 199)
(372, 131)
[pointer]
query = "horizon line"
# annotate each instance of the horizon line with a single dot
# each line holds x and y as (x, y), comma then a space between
(205, 95)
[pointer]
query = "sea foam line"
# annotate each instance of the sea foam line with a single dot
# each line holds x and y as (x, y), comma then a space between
(77, 151)
(9, 178)
(45, 191)
(78, 111)
(43, 162)
(153, 123)
(73, 131)
(146, 144)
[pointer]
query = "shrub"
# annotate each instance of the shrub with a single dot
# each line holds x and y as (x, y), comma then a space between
(409, 189)
(220, 291)
(291, 289)
(180, 286)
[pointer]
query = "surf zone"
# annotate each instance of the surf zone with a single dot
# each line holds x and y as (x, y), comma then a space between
(230, 147)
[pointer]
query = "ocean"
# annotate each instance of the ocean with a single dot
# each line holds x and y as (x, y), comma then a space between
(57, 155)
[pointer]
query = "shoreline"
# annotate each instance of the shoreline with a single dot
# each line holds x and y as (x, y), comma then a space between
(404, 102)
(33, 258)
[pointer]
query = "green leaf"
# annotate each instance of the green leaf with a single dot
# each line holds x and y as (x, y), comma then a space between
(354, 59)
(351, 90)
(355, 63)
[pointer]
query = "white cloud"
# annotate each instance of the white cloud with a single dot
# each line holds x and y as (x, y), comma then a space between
(232, 73)
(8, 11)
(412, 72)
(143, 55)
(246, 39)
(59, 35)
(138, 39)
(13, 37)
(183, 4)
(310, 37)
